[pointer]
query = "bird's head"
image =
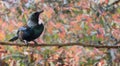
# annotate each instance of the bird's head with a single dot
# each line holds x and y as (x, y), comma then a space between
(34, 18)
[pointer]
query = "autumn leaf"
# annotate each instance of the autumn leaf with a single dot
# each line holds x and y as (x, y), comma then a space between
(58, 25)
(79, 17)
(116, 18)
(62, 33)
(62, 16)
(48, 12)
(1, 21)
(19, 24)
(106, 1)
(42, 1)
(95, 26)
(75, 27)
(2, 50)
(102, 62)
(84, 17)
(2, 35)
(84, 4)
(4, 25)
(51, 26)
(87, 18)
(101, 33)
(115, 33)
(40, 41)
(11, 27)
(97, 51)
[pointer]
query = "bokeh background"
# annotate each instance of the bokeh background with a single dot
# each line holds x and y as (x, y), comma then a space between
(66, 21)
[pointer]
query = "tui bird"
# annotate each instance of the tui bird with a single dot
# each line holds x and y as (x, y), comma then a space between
(32, 30)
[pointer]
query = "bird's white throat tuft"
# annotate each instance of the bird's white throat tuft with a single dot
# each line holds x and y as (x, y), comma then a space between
(40, 21)
(31, 24)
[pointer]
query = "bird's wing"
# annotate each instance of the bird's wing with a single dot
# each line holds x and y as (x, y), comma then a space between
(19, 34)
(25, 33)
(14, 38)
(37, 31)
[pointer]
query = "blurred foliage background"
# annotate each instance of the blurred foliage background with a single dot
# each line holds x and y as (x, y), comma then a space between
(66, 21)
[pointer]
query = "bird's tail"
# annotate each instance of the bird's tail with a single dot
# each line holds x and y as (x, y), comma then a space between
(14, 38)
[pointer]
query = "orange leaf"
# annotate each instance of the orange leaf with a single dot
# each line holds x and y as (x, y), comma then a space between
(115, 33)
(75, 27)
(102, 1)
(95, 26)
(11, 27)
(58, 25)
(79, 17)
(106, 1)
(4, 25)
(62, 33)
(87, 18)
(84, 4)
(40, 41)
(48, 12)
(62, 16)
(116, 17)
(42, 1)
(19, 24)
(84, 17)
(101, 33)
(73, 48)
(2, 35)
(1, 21)
(50, 26)
(102, 62)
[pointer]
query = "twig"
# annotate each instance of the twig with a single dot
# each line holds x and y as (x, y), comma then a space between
(116, 2)
(61, 45)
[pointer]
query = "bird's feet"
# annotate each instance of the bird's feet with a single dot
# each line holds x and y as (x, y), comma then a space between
(26, 42)
(35, 43)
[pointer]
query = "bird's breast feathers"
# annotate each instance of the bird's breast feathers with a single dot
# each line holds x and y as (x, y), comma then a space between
(31, 24)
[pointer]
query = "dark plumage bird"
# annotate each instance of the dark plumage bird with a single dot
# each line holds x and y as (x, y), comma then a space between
(32, 30)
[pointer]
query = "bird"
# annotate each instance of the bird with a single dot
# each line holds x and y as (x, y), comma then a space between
(32, 30)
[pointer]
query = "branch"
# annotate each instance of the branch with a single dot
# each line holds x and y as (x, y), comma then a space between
(116, 2)
(61, 45)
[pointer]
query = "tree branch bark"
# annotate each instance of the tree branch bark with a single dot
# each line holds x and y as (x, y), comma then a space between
(61, 45)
